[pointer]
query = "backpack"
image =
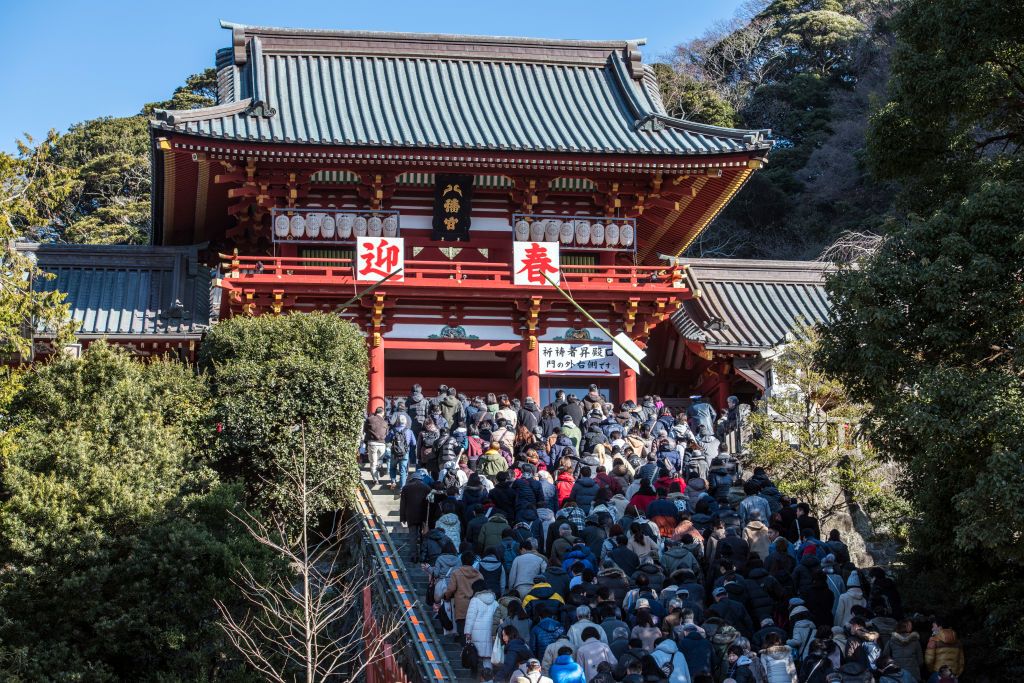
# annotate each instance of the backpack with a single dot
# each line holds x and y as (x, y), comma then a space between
(399, 445)
(508, 551)
(428, 441)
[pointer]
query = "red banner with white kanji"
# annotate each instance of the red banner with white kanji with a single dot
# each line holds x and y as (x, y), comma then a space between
(378, 257)
(531, 261)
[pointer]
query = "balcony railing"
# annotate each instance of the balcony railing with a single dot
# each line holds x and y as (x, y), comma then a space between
(250, 271)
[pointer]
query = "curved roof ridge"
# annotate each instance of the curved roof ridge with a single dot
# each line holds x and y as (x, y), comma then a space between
(616, 44)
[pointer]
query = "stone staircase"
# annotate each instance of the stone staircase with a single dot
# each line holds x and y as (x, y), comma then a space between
(385, 502)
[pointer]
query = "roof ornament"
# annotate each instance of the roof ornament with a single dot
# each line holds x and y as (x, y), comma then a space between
(261, 109)
(634, 59)
(176, 309)
(651, 123)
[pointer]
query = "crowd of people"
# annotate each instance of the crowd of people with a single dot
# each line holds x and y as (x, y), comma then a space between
(579, 542)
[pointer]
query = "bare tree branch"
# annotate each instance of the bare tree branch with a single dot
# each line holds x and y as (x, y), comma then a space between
(305, 622)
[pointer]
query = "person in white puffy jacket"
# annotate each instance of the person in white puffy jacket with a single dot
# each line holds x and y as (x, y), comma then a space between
(853, 596)
(449, 523)
(777, 661)
(480, 619)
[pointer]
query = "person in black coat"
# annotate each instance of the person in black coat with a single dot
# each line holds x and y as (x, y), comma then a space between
(413, 509)
(584, 490)
(528, 495)
(504, 496)
(819, 600)
(624, 558)
(733, 612)
(801, 522)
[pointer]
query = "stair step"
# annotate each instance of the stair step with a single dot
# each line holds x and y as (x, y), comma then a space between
(386, 505)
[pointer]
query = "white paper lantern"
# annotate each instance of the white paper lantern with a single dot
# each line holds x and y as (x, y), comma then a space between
(281, 225)
(551, 230)
(626, 235)
(566, 232)
(537, 231)
(359, 226)
(597, 234)
(327, 228)
(374, 226)
(345, 222)
(611, 235)
(298, 225)
(582, 233)
(313, 223)
(391, 225)
(522, 230)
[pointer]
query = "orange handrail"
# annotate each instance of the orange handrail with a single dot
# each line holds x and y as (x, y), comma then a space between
(450, 273)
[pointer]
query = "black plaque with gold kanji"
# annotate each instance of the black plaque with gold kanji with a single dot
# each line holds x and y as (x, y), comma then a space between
(453, 198)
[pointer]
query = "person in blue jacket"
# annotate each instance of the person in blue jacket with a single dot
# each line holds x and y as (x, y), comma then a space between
(565, 669)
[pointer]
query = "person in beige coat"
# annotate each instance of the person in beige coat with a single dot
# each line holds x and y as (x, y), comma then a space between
(460, 589)
(756, 534)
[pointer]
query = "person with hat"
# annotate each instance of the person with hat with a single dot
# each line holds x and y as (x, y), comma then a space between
(532, 673)
(801, 631)
(853, 596)
(731, 611)
(571, 431)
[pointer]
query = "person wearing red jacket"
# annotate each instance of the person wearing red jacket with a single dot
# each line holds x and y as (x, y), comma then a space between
(564, 484)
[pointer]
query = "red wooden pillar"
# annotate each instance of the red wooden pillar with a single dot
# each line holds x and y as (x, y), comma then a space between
(531, 369)
(724, 387)
(627, 383)
(376, 371)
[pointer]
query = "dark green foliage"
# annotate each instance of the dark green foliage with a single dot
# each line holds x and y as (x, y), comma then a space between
(930, 330)
(951, 106)
(94, 187)
(115, 536)
(273, 373)
(200, 90)
(809, 70)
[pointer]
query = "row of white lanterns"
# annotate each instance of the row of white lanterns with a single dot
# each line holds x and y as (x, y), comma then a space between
(575, 231)
(328, 226)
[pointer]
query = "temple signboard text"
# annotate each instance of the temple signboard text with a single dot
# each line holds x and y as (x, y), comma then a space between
(586, 360)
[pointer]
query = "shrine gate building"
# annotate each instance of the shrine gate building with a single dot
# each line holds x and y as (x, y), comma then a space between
(428, 158)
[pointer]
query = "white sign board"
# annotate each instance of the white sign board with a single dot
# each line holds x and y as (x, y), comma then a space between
(633, 360)
(378, 257)
(585, 360)
(532, 260)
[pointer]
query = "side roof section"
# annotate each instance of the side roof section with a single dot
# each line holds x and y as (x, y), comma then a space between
(129, 291)
(751, 305)
(430, 91)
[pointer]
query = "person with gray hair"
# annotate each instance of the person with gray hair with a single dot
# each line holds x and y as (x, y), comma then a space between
(583, 621)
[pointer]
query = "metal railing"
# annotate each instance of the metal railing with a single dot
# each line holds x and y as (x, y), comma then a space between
(418, 656)
(268, 270)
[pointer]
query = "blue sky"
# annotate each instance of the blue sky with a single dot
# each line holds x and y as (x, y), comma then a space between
(67, 61)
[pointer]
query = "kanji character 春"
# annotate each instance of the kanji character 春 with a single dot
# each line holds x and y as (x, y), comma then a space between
(536, 263)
